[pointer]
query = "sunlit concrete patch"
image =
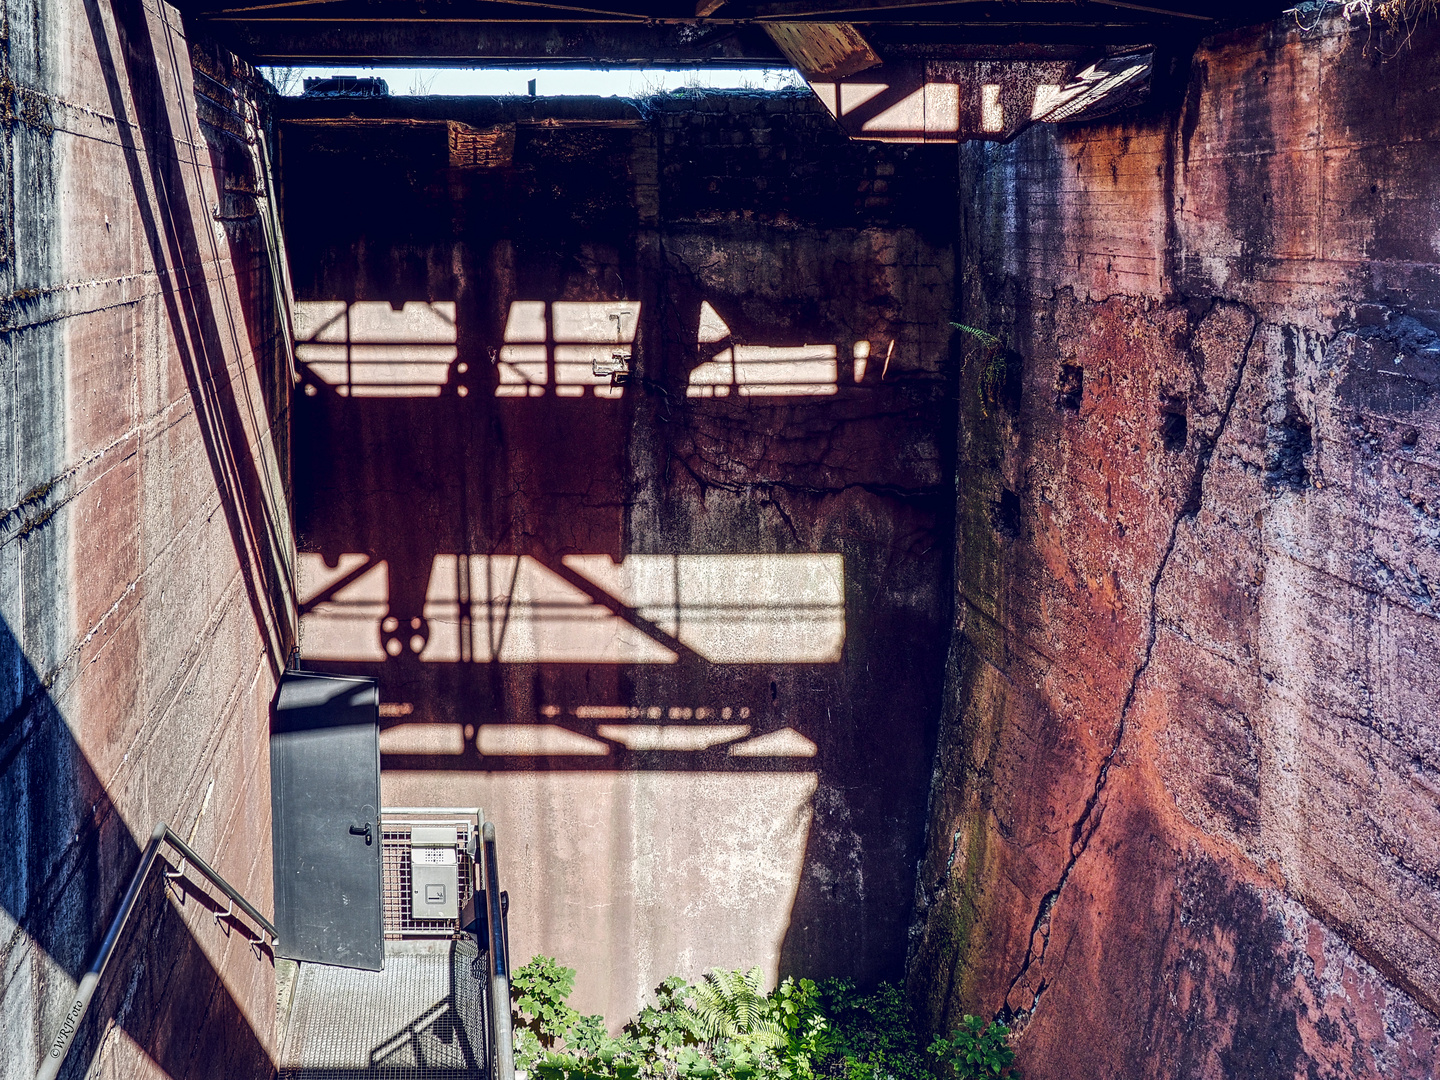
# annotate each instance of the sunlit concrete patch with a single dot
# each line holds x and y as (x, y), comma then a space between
(660, 712)
(760, 370)
(524, 371)
(712, 327)
(672, 736)
(341, 607)
(861, 353)
(734, 609)
(513, 609)
(957, 100)
(767, 370)
(423, 739)
(644, 874)
(536, 740)
(567, 347)
(787, 742)
(593, 338)
(371, 349)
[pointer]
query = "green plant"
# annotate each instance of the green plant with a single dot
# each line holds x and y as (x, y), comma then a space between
(553, 1041)
(977, 1049)
(874, 1033)
(723, 1027)
(727, 1006)
(540, 991)
(798, 1007)
(994, 365)
(661, 1030)
(984, 337)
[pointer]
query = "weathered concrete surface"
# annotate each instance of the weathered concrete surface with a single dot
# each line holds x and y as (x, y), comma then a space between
(143, 534)
(1185, 809)
(714, 752)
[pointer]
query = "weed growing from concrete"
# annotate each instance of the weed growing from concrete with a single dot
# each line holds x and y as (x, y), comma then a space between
(725, 1027)
(976, 1050)
(993, 367)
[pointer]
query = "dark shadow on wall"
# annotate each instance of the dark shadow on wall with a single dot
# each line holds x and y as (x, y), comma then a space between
(61, 880)
(200, 333)
(482, 701)
(465, 692)
(483, 519)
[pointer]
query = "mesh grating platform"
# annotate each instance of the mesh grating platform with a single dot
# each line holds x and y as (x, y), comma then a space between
(419, 1019)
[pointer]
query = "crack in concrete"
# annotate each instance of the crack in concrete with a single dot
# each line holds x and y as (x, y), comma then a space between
(1091, 815)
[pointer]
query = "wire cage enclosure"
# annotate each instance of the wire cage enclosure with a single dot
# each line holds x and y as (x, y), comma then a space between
(396, 824)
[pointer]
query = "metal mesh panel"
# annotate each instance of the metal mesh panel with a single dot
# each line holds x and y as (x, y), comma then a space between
(421, 1018)
(395, 851)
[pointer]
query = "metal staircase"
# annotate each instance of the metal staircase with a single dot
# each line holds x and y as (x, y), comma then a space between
(438, 1010)
(427, 1015)
(422, 1018)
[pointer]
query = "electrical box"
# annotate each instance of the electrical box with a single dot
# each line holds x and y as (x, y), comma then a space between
(434, 872)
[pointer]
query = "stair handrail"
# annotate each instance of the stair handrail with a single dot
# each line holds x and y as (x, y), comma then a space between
(501, 1035)
(64, 1039)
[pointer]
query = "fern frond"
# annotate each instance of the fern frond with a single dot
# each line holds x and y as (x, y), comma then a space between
(730, 1005)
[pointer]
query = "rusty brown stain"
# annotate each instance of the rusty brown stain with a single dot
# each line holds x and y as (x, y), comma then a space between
(481, 148)
(823, 50)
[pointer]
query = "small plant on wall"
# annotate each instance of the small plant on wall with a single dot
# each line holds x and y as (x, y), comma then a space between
(994, 365)
(977, 1050)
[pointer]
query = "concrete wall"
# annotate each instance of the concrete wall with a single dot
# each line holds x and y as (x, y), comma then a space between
(143, 534)
(1186, 801)
(682, 639)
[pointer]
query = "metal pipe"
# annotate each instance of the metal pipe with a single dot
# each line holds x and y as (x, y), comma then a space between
(75, 1015)
(502, 1036)
(505, 926)
(219, 882)
(50, 1066)
(471, 811)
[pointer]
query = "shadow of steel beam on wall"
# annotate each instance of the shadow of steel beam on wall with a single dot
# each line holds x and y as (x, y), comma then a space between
(61, 884)
(195, 329)
(616, 607)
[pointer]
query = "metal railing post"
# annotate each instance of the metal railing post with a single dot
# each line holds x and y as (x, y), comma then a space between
(495, 926)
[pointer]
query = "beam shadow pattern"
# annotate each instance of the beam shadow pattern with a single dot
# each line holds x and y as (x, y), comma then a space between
(252, 490)
(684, 647)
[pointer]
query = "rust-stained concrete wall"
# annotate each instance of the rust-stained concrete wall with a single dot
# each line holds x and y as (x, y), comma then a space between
(718, 753)
(1187, 797)
(143, 534)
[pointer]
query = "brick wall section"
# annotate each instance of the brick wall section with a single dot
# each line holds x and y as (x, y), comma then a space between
(1186, 805)
(143, 534)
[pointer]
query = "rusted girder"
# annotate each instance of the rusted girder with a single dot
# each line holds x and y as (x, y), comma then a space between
(669, 32)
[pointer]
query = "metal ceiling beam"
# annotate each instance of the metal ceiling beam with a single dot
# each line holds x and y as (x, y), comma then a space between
(431, 43)
(666, 32)
(859, 12)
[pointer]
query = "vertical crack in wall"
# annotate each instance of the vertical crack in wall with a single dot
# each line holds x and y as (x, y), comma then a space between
(1090, 817)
